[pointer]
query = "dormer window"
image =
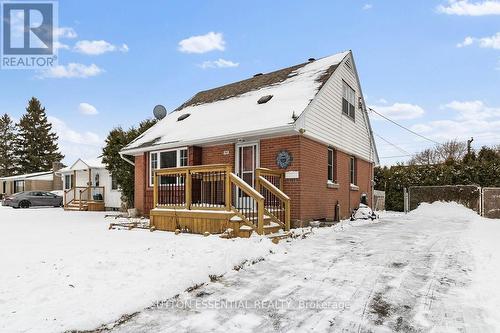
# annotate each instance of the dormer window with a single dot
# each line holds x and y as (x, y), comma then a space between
(348, 101)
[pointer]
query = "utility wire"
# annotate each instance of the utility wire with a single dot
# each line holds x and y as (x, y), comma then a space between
(394, 145)
(403, 127)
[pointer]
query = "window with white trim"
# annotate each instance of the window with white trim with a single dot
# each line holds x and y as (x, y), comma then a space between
(172, 158)
(348, 101)
(331, 166)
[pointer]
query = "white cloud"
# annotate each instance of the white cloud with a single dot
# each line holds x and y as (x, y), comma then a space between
(492, 42)
(466, 8)
(367, 6)
(467, 41)
(203, 43)
(71, 70)
(87, 109)
(382, 101)
(97, 47)
(60, 46)
(472, 118)
(400, 111)
(65, 32)
(220, 63)
(75, 144)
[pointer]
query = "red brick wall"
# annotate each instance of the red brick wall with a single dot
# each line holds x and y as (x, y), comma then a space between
(269, 148)
(140, 182)
(317, 199)
(215, 154)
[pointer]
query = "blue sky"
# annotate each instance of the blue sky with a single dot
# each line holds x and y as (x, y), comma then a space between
(434, 66)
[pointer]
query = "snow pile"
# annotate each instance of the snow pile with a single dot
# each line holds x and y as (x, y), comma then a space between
(66, 270)
(483, 237)
(441, 209)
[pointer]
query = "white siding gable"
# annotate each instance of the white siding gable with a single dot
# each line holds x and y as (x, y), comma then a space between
(323, 119)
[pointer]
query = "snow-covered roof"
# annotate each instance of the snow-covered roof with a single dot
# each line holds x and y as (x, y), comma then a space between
(232, 110)
(83, 164)
(44, 175)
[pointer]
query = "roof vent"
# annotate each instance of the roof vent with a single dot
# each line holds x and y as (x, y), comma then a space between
(264, 99)
(184, 116)
(258, 74)
(311, 59)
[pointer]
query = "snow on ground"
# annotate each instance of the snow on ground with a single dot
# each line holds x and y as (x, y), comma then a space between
(431, 270)
(65, 270)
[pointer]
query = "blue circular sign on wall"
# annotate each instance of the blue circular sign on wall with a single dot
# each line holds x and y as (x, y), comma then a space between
(283, 159)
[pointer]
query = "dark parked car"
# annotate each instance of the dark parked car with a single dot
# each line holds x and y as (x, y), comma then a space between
(33, 199)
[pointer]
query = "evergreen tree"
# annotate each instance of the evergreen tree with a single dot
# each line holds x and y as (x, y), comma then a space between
(121, 170)
(37, 145)
(7, 146)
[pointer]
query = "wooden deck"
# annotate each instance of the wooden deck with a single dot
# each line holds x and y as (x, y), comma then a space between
(212, 199)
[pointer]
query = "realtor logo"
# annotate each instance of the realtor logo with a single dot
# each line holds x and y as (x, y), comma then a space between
(28, 34)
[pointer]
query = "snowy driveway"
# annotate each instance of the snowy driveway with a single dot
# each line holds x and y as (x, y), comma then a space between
(432, 270)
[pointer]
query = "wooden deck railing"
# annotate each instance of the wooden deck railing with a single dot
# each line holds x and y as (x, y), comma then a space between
(276, 202)
(275, 177)
(82, 194)
(209, 187)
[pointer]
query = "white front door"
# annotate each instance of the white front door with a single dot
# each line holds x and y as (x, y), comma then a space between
(247, 160)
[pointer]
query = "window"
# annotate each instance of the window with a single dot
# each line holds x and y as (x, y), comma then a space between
(183, 157)
(68, 182)
(4, 187)
(332, 161)
(352, 170)
(167, 159)
(114, 183)
(18, 186)
(348, 101)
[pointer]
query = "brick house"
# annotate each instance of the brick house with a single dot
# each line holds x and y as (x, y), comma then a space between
(299, 138)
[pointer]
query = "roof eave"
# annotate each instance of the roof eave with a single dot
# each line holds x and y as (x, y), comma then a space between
(287, 129)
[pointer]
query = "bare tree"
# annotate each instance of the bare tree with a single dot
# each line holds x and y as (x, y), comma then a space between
(450, 150)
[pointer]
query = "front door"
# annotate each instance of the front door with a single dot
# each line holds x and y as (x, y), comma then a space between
(247, 160)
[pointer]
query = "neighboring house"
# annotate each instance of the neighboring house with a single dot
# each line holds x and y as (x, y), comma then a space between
(89, 186)
(305, 129)
(38, 181)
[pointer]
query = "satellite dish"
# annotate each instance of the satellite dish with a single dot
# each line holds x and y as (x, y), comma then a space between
(159, 112)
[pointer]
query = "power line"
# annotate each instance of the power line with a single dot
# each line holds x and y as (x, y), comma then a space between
(394, 145)
(395, 156)
(403, 127)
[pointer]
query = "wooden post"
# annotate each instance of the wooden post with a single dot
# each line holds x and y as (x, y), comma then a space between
(260, 213)
(155, 190)
(228, 188)
(89, 184)
(287, 215)
(257, 180)
(188, 189)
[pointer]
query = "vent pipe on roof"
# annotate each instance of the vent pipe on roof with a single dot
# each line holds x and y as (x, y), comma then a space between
(258, 74)
(311, 59)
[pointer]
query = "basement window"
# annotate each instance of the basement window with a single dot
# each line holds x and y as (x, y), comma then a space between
(184, 116)
(264, 99)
